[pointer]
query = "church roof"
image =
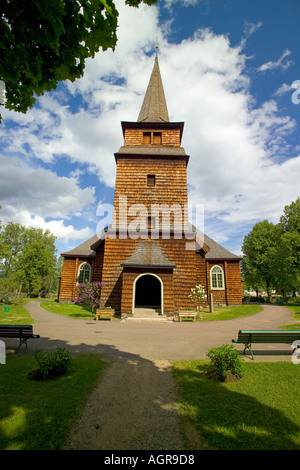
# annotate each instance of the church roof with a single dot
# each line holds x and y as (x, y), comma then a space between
(154, 107)
(148, 254)
(213, 251)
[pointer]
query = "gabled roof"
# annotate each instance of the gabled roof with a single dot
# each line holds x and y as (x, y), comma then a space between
(87, 248)
(154, 107)
(213, 251)
(148, 254)
(146, 251)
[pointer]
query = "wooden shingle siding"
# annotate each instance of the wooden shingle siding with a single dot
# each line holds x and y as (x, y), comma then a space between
(134, 137)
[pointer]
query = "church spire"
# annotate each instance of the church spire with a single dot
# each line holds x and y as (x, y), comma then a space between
(154, 107)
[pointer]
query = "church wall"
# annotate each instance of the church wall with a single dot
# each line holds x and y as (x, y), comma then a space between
(129, 276)
(68, 279)
(116, 283)
(131, 181)
(234, 283)
(232, 293)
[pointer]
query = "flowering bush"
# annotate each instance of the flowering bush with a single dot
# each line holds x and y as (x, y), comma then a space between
(89, 293)
(198, 296)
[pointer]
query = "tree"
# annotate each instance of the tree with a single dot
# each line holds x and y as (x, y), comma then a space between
(36, 268)
(43, 42)
(272, 253)
(290, 242)
(259, 248)
(29, 256)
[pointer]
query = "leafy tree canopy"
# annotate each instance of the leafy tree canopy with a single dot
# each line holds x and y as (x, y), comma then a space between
(27, 256)
(45, 41)
(272, 252)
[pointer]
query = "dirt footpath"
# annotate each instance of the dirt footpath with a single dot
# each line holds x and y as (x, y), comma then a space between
(132, 408)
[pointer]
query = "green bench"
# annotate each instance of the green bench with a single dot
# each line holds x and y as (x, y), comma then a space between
(23, 332)
(248, 337)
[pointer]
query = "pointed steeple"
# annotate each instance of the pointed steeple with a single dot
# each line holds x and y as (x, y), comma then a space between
(154, 107)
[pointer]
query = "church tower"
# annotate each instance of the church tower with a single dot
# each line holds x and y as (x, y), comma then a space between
(150, 256)
(147, 260)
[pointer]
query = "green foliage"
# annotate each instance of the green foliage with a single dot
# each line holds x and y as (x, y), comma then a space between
(9, 288)
(89, 293)
(56, 362)
(28, 255)
(45, 42)
(225, 359)
(272, 253)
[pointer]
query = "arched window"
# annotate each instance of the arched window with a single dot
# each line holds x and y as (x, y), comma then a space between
(84, 273)
(217, 278)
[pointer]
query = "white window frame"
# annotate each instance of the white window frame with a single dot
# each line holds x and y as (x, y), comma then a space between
(218, 279)
(85, 263)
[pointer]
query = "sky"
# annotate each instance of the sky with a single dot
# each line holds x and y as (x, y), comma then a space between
(230, 72)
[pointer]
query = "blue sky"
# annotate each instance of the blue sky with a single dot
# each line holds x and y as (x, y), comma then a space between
(227, 69)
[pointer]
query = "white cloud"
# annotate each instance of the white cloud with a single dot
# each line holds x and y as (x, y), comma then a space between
(236, 168)
(29, 196)
(283, 89)
(281, 63)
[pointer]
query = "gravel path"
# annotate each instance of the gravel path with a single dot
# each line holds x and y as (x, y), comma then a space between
(132, 408)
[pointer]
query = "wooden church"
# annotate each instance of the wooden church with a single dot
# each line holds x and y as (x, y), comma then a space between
(150, 256)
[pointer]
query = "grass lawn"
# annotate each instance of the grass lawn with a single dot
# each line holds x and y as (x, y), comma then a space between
(39, 415)
(260, 411)
(229, 313)
(295, 309)
(69, 310)
(17, 315)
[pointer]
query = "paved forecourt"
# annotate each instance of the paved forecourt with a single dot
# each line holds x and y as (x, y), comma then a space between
(149, 340)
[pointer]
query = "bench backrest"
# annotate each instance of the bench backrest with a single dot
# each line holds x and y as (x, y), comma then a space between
(16, 330)
(275, 336)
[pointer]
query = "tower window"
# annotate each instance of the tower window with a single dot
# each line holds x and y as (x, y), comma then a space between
(150, 180)
(147, 138)
(157, 138)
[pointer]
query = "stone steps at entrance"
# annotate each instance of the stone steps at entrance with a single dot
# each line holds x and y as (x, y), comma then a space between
(147, 319)
(145, 313)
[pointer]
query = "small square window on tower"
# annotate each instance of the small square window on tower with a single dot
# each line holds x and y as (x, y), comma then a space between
(157, 138)
(147, 138)
(150, 180)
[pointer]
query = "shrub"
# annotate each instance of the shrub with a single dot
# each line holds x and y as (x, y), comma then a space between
(52, 364)
(225, 359)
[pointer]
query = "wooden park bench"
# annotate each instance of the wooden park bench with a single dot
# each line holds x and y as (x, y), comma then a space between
(23, 332)
(248, 337)
(187, 314)
(104, 313)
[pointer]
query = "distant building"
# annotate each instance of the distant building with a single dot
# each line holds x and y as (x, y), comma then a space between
(159, 264)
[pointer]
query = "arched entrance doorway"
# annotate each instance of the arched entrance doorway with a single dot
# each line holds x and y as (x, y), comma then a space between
(148, 293)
